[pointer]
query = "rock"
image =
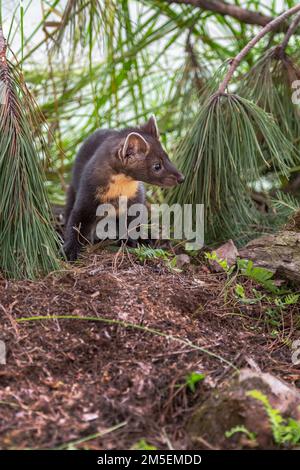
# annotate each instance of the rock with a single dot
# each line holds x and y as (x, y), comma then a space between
(227, 252)
(90, 416)
(279, 253)
(182, 260)
(231, 406)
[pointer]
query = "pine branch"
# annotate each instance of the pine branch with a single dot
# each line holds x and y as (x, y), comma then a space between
(225, 9)
(195, 66)
(292, 29)
(263, 32)
(2, 46)
(230, 145)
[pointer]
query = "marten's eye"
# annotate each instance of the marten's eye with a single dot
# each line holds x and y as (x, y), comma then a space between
(157, 166)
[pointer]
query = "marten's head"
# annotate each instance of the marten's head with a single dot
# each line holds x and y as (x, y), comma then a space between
(142, 157)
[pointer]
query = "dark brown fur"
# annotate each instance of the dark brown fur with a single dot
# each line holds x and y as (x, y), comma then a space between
(111, 163)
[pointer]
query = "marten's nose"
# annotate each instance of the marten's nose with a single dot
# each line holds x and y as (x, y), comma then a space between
(180, 178)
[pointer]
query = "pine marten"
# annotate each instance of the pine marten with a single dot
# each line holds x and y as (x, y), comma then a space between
(110, 164)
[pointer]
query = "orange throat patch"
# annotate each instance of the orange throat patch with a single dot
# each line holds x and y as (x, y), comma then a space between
(119, 185)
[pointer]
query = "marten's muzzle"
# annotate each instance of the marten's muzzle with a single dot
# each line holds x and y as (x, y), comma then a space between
(173, 180)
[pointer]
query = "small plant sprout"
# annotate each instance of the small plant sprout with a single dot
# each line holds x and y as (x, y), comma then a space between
(192, 379)
(142, 444)
(240, 291)
(221, 262)
(260, 275)
(240, 429)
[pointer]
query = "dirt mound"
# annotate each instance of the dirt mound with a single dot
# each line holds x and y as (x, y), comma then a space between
(68, 379)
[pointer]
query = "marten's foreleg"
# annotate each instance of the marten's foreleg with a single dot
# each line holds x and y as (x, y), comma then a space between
(80, 222)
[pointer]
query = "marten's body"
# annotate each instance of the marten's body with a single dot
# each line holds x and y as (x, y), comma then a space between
(111, 164)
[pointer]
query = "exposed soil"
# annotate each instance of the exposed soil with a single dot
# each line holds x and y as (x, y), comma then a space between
(67, 379)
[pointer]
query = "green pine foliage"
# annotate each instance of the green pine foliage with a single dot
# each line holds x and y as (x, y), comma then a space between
(113, 63)
(28, 242)
(232, 142)
(269, 84)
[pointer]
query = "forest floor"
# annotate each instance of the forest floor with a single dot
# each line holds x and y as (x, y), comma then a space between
(70, 383)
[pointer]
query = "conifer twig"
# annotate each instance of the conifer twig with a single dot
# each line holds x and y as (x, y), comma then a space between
(3, 61)
(2, 46)
(238, 59)
(290, 32)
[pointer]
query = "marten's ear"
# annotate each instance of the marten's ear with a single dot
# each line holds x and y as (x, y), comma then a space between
(134, 144)
(151, 127)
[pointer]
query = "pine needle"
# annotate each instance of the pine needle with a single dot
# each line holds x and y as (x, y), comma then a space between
(269, 84)
(230, 145)
(81, 18)
(28, 242)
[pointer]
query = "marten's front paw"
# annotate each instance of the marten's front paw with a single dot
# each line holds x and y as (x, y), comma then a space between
(70, 251)
(131, 243)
